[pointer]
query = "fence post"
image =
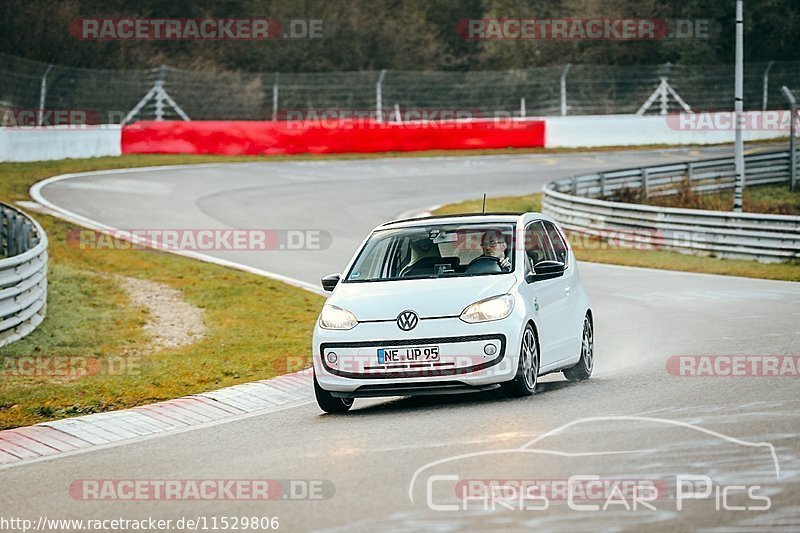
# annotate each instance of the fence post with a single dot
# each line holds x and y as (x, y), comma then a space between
(522, 107)
(4, 231)
(564, 89)
(765, 95)
(738, 105)
(792, 142)
(43, 95)
(162, 74)
(379, 97)
(275, 94)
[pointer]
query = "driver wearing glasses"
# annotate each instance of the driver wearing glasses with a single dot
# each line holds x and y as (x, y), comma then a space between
(494, 245)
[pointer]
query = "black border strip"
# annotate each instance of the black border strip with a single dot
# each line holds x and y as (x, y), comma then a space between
(411, 342)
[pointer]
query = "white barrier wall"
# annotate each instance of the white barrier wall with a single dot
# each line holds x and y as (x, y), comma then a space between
(685, 128)
(59, 142)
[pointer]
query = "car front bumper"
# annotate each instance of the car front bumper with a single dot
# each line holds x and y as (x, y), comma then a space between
(471, 357)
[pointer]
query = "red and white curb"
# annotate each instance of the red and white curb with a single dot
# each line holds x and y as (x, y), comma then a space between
(77, 434)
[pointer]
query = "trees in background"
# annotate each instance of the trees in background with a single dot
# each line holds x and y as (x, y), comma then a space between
(393, 34)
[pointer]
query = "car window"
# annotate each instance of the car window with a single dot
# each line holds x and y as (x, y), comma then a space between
(373, 264)
(400, 255)
(557, 240)
(537, 245)
(435, 250)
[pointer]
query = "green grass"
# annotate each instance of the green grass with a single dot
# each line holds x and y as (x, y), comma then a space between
(774, 199)
(255, 327)
(594, 251)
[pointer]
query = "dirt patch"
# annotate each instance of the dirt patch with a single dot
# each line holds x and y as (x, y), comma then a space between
(172, 322)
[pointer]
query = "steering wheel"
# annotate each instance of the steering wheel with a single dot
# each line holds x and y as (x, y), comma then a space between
(484, 265)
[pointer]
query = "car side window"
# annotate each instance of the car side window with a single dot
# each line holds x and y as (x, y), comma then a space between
(557, 240)
(537, 245)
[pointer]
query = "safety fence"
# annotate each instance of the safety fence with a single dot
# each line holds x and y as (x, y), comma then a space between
(112, 96)
(23, 274)
(582, 204)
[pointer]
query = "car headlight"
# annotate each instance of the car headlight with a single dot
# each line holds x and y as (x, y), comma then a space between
(333, 317)
(495, 308)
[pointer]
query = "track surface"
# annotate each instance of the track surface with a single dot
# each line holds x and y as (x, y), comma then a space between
(372, 454)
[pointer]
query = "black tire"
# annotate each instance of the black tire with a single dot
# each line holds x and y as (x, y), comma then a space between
(329, 403)
(527, 377)
(585, 365)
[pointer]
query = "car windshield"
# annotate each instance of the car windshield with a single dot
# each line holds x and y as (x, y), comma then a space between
(436, 251)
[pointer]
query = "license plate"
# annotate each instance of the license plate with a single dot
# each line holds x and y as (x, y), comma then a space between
(405, 355)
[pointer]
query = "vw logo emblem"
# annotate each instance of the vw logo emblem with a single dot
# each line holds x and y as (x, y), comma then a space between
(407, 320)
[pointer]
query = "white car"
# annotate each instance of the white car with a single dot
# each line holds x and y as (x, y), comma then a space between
(450, 304)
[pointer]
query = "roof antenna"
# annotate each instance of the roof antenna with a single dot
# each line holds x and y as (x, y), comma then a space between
(484, 204)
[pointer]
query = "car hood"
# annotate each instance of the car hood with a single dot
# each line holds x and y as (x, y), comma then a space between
(384, 300)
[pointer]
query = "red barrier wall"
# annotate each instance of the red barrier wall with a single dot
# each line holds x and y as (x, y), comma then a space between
(319, 137)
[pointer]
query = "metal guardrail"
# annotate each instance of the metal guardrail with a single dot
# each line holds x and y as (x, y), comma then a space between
(581, 204)
(23, 274)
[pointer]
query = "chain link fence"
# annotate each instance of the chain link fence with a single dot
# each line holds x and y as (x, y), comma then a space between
(110, 96)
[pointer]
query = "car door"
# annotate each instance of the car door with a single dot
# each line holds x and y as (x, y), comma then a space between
(572, 321)
(548, 299)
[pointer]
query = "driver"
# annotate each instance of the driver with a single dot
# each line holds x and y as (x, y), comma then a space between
(494, 245)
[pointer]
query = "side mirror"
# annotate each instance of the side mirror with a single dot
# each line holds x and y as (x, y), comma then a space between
(545, 270)
(329, 282)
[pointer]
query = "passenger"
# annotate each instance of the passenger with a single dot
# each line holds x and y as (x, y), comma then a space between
(422, 248)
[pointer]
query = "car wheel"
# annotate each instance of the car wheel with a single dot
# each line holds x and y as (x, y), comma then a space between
(524, 383)
(585, 365)
(329, 403)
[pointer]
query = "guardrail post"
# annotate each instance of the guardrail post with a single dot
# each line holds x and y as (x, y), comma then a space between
(602, 184)
(645, 183)
(574, 184)
(792, 133)
(3, 232)
(690, 174)
(9, 234)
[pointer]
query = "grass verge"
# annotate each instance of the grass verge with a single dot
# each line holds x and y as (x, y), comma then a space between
(774, 199)
(662, 259)
(256, 328)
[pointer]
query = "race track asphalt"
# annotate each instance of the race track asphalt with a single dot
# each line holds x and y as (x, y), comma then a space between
(633, 420)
